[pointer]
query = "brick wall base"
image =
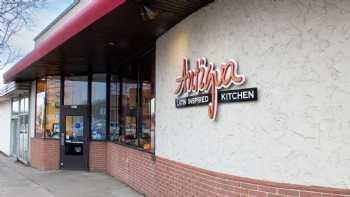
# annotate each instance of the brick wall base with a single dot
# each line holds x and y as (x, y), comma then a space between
(163, 177)
(97, 156)
(167, 178)
(45, 154)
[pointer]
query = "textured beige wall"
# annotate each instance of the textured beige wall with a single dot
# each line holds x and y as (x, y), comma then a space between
(297, 54)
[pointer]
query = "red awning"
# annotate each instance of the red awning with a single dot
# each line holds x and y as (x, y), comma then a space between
(94, 11)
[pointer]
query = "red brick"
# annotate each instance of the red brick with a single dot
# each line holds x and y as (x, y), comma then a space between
(45, 154)
(97, 156)
(310, 194)
(164, 177)
(249, 186)
(257, 193)
(288, 192)
(267, 189)
(275, 195)
(333, 195)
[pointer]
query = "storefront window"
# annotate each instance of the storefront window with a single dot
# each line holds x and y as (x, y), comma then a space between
(47, 118)
(129, 112)
(114, 109)
(147, 102)
(76, 90)
(132, 104)
(98, 107)
(40, 107)
(53, 89)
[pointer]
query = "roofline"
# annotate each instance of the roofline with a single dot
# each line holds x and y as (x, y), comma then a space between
(59, 17)
(84, 18)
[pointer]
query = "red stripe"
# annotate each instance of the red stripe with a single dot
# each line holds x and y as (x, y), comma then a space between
(94, 11)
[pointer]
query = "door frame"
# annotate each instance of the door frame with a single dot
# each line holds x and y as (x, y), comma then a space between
(72, 162)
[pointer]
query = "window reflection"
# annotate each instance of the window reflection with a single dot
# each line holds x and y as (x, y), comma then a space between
(147, 129)
(129, 112)
(15, 106)
(52, 128)
(147, 80)
(74, 135)
(40, 108)
(98, 107)
(132, 104)
(74, 129)
(47, 117)
(75, 90)
(114, 127)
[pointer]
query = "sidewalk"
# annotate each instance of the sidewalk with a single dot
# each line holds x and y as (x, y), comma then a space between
(17, 180)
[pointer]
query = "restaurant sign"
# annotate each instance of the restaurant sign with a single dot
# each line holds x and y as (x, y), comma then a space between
(206, 85)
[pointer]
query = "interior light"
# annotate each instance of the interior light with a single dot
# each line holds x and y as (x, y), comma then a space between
(148, 14)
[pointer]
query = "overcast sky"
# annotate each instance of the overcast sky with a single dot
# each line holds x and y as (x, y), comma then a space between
(23, 40)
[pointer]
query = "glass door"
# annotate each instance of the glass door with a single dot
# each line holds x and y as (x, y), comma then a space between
(23, 138)
(14, 125)
(74, 123)
(19, 128)
(74, 146)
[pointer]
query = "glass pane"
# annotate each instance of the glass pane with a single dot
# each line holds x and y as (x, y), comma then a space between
(132, 104)
(98, 107)
(26, 105)
(15, 106)
(74, 129)
(114, 126)
(129, 112)
(23, 137)
(147, 127)
(23, 126)
(52, 128)
(40, 108)
(22, 105)
(147, 102)
(76, 90)
(74, 135)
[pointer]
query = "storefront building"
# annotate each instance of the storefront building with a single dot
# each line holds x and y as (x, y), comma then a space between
(196, 98)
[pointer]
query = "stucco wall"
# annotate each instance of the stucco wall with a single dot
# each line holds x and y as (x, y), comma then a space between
(297, 54)
(5, 122)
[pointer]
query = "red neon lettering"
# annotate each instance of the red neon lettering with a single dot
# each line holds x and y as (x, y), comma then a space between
(206, 77)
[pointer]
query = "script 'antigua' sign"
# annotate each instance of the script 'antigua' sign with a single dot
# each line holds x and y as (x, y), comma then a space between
(207, 79)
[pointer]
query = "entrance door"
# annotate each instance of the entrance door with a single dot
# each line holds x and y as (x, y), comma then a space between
(74, 136)
(23, 138)
(19, 128)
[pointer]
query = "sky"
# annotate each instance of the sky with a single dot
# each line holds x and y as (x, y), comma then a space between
(24, 40)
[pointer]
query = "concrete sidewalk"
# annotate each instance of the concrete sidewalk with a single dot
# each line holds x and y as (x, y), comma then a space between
(17, 180)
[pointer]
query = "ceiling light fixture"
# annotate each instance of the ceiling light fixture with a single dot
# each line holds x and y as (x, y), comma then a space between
(148, 14)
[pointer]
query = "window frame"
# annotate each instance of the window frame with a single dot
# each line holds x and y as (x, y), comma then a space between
(139, 117)
(107, 81)
(45, 78)
(36, 109)
(136, 61)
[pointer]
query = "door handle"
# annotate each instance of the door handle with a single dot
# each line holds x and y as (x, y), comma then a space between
(62, 139)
